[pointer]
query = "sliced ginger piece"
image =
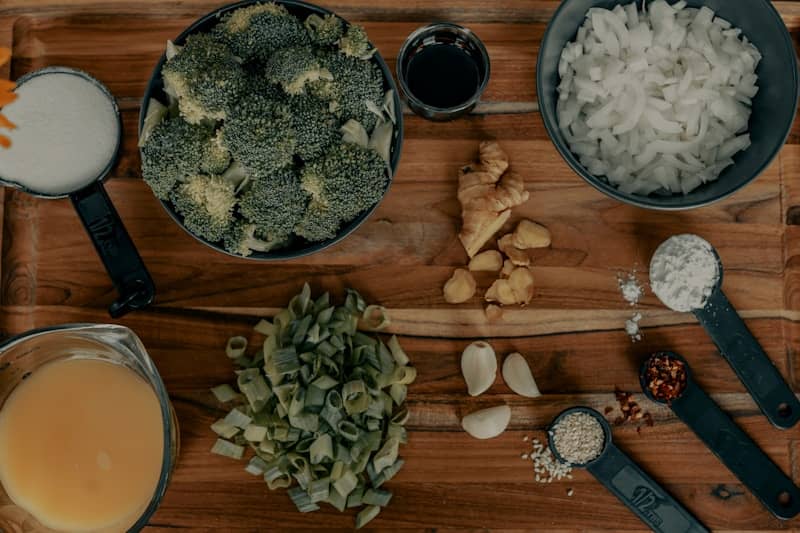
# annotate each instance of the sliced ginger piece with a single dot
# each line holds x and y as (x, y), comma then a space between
(529, 235)
(487, 194)
(488, 261)
(501, 292)
(517, 256)
(521, 282)
(508, 268)
(494, 313)
(460, 287)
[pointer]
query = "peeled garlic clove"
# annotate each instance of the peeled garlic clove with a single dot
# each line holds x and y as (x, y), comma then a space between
(487, 423)
(479, 367)
(517, 375)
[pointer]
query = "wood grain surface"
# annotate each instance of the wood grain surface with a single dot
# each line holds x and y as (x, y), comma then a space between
(572, 333)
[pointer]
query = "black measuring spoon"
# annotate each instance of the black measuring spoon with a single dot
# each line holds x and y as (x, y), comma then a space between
(638, 491)
(727, 441)
(746, 357)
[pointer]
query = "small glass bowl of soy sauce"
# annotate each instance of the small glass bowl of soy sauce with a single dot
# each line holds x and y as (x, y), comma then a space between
(443, 69)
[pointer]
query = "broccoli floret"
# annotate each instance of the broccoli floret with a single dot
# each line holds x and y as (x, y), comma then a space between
(275, 204)
(355, 43)
(206, 204)
(292, 68)
(314, 124)
(355, 82)
(324, 31)
(241, 239)
(347, 180)
(259, 134)
(319, 223)
(255, 32)
(205, 78)
(176, 149)
(257, 83)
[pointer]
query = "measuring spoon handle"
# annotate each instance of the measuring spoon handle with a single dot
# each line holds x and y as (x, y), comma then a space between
(641, 494)
(115, 248)
(747, 358)
(738, 452)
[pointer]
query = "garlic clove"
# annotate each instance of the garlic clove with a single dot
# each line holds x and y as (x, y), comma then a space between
(487, 423)
(479, 367)
(517, 375)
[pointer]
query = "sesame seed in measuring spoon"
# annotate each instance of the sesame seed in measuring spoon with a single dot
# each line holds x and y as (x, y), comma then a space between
(581, 437)
(686, 275)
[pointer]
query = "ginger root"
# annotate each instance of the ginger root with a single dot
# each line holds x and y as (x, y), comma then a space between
(517, 256)
(488, 261)
(529, 235)
(487, 193)
(517, 289)
(494, 313)
(501, 292)
(460, 287)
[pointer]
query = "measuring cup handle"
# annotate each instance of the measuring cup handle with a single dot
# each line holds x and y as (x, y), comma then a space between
(652, 504)
(115, 248)
(747, 358)
(776, 491)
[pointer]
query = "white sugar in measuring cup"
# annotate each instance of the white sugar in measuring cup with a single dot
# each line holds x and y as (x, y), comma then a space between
(66, 142)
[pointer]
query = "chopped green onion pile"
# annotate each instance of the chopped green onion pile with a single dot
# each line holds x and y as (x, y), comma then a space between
(321, 404)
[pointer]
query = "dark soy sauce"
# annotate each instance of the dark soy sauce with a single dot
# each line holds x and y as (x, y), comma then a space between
(443, 75)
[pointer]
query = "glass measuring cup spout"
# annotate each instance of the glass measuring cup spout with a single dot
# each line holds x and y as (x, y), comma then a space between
(65, 96)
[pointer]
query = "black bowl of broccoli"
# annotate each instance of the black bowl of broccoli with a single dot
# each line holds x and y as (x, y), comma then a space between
(270, 130)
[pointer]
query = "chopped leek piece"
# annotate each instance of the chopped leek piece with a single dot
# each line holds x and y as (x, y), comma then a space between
(227, 449)
(399, 355)
(236, 347)
(257, 466)
(387, 455)
(265, 327)
(224, 429)
(254, 387)
(237, 418)
(286, 360)
(281, 482)
(255, 433)
(375, 318)
(337, 470)
(346, 483)
(354, 499)
(337, 500)
(377, 497)
(319, 489)
(367, 515)
(224, 393)
(324, 382)
(398, 393)
(302, 500)
(315, 398)
(321, 449)
(356, 399)
(348, 430)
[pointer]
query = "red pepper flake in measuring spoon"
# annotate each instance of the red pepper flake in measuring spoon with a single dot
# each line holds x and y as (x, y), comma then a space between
(665, 377)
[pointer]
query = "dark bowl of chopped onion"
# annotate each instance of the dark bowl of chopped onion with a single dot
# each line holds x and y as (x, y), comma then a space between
(297, 247)
(671, 108)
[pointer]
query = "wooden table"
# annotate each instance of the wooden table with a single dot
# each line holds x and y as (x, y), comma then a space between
(571, 334)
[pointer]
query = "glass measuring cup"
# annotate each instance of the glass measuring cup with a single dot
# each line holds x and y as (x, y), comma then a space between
(23, 355)
(98, 215)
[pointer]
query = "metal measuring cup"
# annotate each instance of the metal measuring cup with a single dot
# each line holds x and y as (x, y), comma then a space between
(746, 357)
(732, 446)
(630, 484)
(101, 220)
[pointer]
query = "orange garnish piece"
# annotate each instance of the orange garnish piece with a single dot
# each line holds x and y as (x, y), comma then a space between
(5, 123)
(7, 98)
(5, 55)
(7, 85)
(5, 142)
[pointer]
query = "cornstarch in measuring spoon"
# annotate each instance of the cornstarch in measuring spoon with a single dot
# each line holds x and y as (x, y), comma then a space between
(684, 272)
(67, 131)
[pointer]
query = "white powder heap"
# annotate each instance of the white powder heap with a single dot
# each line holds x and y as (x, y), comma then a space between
(578, 438)
(630, 288)
(683, 272)
(632, 327)
(67, 131)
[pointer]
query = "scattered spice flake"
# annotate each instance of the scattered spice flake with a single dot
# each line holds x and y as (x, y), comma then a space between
(608, 410)
(631, 411)
(570, 492)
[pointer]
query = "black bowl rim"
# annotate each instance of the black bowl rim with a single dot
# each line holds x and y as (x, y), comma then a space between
(353, 225)
(650, 202)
